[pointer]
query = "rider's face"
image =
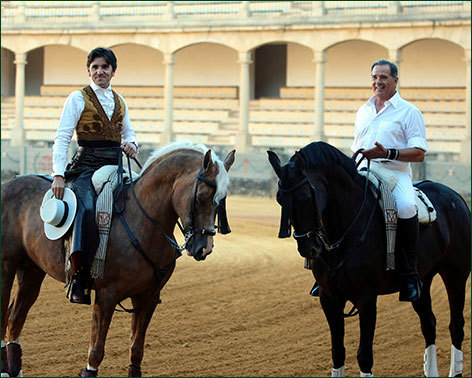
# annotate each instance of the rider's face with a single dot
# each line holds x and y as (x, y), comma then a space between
(383, 84)
(101, 72)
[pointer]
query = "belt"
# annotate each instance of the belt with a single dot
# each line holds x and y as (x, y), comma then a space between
(102, 152)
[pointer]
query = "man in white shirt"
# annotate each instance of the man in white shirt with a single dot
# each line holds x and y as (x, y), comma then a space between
(392, 132)
(100, 118)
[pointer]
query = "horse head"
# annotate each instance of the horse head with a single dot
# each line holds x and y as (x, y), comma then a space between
(300, 200)
(198, 207)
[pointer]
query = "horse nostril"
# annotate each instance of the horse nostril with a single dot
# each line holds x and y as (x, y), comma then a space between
(199, 255)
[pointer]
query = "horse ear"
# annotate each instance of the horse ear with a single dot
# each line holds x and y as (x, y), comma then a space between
(229, 160)
(275, 162)
(299, 162)
(207, 160)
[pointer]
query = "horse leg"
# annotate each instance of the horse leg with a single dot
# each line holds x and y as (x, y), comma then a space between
(139, 323)
(334, 315)
(455, 286)
(30, 278)
(102, 313)
(8, 277)
(423, 308)
(367, 319)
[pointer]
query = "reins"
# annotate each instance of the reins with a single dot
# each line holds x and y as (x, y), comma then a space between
(159, 273)
(333, 246)
(188, 232)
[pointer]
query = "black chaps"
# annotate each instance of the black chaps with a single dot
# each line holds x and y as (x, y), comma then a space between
(78, 176)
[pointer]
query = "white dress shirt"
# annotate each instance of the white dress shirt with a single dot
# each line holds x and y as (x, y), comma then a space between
(399, 124)
(71, 113)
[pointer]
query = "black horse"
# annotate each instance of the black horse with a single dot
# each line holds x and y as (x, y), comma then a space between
(339, 226)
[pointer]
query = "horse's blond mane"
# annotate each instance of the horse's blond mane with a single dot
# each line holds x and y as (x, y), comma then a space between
(222, 178)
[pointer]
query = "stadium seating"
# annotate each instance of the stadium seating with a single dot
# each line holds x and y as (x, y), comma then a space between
(210, 115)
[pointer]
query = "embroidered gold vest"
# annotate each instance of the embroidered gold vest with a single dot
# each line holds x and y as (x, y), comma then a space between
(94, 123)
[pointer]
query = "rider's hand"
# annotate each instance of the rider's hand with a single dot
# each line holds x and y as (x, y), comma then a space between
(377, 152)
(130, 149)
(58, 186)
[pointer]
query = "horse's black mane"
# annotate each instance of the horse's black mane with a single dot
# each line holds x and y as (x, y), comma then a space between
(321, 154)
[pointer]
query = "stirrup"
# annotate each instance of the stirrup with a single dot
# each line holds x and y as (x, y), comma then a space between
(315, 290)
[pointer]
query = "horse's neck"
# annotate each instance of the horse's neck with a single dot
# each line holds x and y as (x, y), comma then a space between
(344, 200)
(154, 192)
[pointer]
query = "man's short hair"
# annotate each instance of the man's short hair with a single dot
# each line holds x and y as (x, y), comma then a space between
(101, 52)
(383, 62)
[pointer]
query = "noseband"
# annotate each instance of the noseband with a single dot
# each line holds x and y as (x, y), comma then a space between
(190, 230)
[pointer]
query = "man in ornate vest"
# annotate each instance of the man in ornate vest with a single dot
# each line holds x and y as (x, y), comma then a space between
(100, 119)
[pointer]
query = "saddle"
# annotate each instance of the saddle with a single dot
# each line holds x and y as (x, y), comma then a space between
(384, 180)
(426, 211)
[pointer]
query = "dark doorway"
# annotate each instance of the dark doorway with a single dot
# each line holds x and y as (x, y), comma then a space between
(271, 70)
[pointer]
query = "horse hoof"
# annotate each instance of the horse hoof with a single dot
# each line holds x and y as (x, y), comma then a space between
(4, 362)
(88, 373)
(14, 360)
(134, 371)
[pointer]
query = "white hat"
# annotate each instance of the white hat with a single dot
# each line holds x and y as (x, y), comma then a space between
(58, 215)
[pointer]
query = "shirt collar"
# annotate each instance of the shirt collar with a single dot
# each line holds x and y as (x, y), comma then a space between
(394, 100)
(97, 88)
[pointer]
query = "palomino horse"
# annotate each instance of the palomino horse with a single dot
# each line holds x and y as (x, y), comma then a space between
(180, 180)
(339, 225)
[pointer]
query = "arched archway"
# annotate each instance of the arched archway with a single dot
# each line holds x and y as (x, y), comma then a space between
(432, 63)
(8, 73)
(138, 65)
(348, 63)
(206, 64)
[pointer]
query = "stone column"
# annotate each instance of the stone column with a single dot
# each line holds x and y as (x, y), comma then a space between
(319, 9)
(318, 131)
(95, 12)
(465, 147)
(18, 133)
(20, 13)
(395, 56)
(242, 138)
(394, 7)
(167, 135)
(170, 11)
(244, 11)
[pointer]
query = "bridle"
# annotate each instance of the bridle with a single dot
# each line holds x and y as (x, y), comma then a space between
(189, 231)
(318, 231)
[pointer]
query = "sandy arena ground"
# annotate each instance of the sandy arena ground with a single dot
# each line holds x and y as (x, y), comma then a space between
(245, 311)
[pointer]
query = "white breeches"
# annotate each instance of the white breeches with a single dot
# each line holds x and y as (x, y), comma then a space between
(404, 195)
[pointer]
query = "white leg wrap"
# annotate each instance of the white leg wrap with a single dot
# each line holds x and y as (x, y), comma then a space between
(91, 368)
(339, 372)
(16, 341)
(456, 362)
(366, 374)
(430, 365)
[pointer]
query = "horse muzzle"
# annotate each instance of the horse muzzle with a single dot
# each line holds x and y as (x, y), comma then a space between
(201, 245)
(308, 244)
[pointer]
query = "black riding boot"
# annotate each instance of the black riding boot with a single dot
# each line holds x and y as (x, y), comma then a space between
(410, 285)
(80, 286)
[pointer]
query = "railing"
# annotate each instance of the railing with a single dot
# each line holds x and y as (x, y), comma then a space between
(54, 14)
